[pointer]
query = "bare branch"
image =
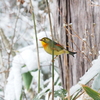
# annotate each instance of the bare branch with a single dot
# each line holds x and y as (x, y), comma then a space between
(6, 43)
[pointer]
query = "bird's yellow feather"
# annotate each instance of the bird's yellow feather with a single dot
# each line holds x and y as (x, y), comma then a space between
(44, 44)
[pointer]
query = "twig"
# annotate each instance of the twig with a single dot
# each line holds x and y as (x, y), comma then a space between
(6, 71)
(15, 26)
(1, 58)
(80, 39)
(5, 40)
(6, 45)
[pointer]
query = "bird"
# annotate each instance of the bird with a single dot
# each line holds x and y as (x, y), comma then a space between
(58, 48)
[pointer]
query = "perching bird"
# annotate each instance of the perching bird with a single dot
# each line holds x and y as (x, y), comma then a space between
(58, 49)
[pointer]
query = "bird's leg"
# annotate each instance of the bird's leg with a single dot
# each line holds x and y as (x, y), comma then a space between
(54, 58)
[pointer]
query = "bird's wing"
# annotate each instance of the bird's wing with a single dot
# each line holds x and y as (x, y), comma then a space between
(58, 47)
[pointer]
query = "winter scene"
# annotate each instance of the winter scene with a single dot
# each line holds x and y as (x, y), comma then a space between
(49, 50)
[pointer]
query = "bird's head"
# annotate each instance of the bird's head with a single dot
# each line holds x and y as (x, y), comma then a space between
(45, 39)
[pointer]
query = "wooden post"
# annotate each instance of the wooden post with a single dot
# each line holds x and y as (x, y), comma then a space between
(82, 36)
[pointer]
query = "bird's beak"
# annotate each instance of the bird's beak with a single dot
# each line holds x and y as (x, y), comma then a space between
(40, 39)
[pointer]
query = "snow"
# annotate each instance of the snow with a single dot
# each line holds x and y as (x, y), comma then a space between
(18, 3)
(27, 54)
(24, 36)
(96, 83)
(14, 85)
(94, 2)
(26, 19)
(9, 91)
(35, 5)
(29, 58)
(80, 98)
(84, 39)
(83, 52)
(90, 74)
(48, 95)
(17, 81)
(35, 81)
(25, 4)
(22, 10)
(41, 35)
(27, 1)
(70, 24)
(8, 51)
(90, 53)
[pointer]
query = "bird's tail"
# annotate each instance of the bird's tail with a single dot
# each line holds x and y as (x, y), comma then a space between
(72, 53)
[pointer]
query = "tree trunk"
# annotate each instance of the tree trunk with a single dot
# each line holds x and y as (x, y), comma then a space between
(81, 36)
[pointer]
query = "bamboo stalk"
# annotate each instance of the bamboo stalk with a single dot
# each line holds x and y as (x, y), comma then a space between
(38, 60)
(52, 49)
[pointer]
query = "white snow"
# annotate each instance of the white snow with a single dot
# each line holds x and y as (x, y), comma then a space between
(18, 3)
(94, 3)
(35, 81)
(83, 52)
(8, 50)
(17, 81)
(22, 10)
(25, 4)
(96, 83)
(84, 39)
(90, 53)
(27, 1)
(26, 56)
(10, 91)
(14, 85)
(90, 74)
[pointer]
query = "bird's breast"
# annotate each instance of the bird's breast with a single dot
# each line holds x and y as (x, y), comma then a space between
(44, 44)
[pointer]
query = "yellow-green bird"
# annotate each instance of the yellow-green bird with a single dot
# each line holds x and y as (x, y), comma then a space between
(58, 49)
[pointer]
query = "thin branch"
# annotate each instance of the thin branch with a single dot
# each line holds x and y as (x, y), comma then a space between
(7, 45)
(5, 40)
(75, 43)
(15, 25)
(1, 58)
(6, 71)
